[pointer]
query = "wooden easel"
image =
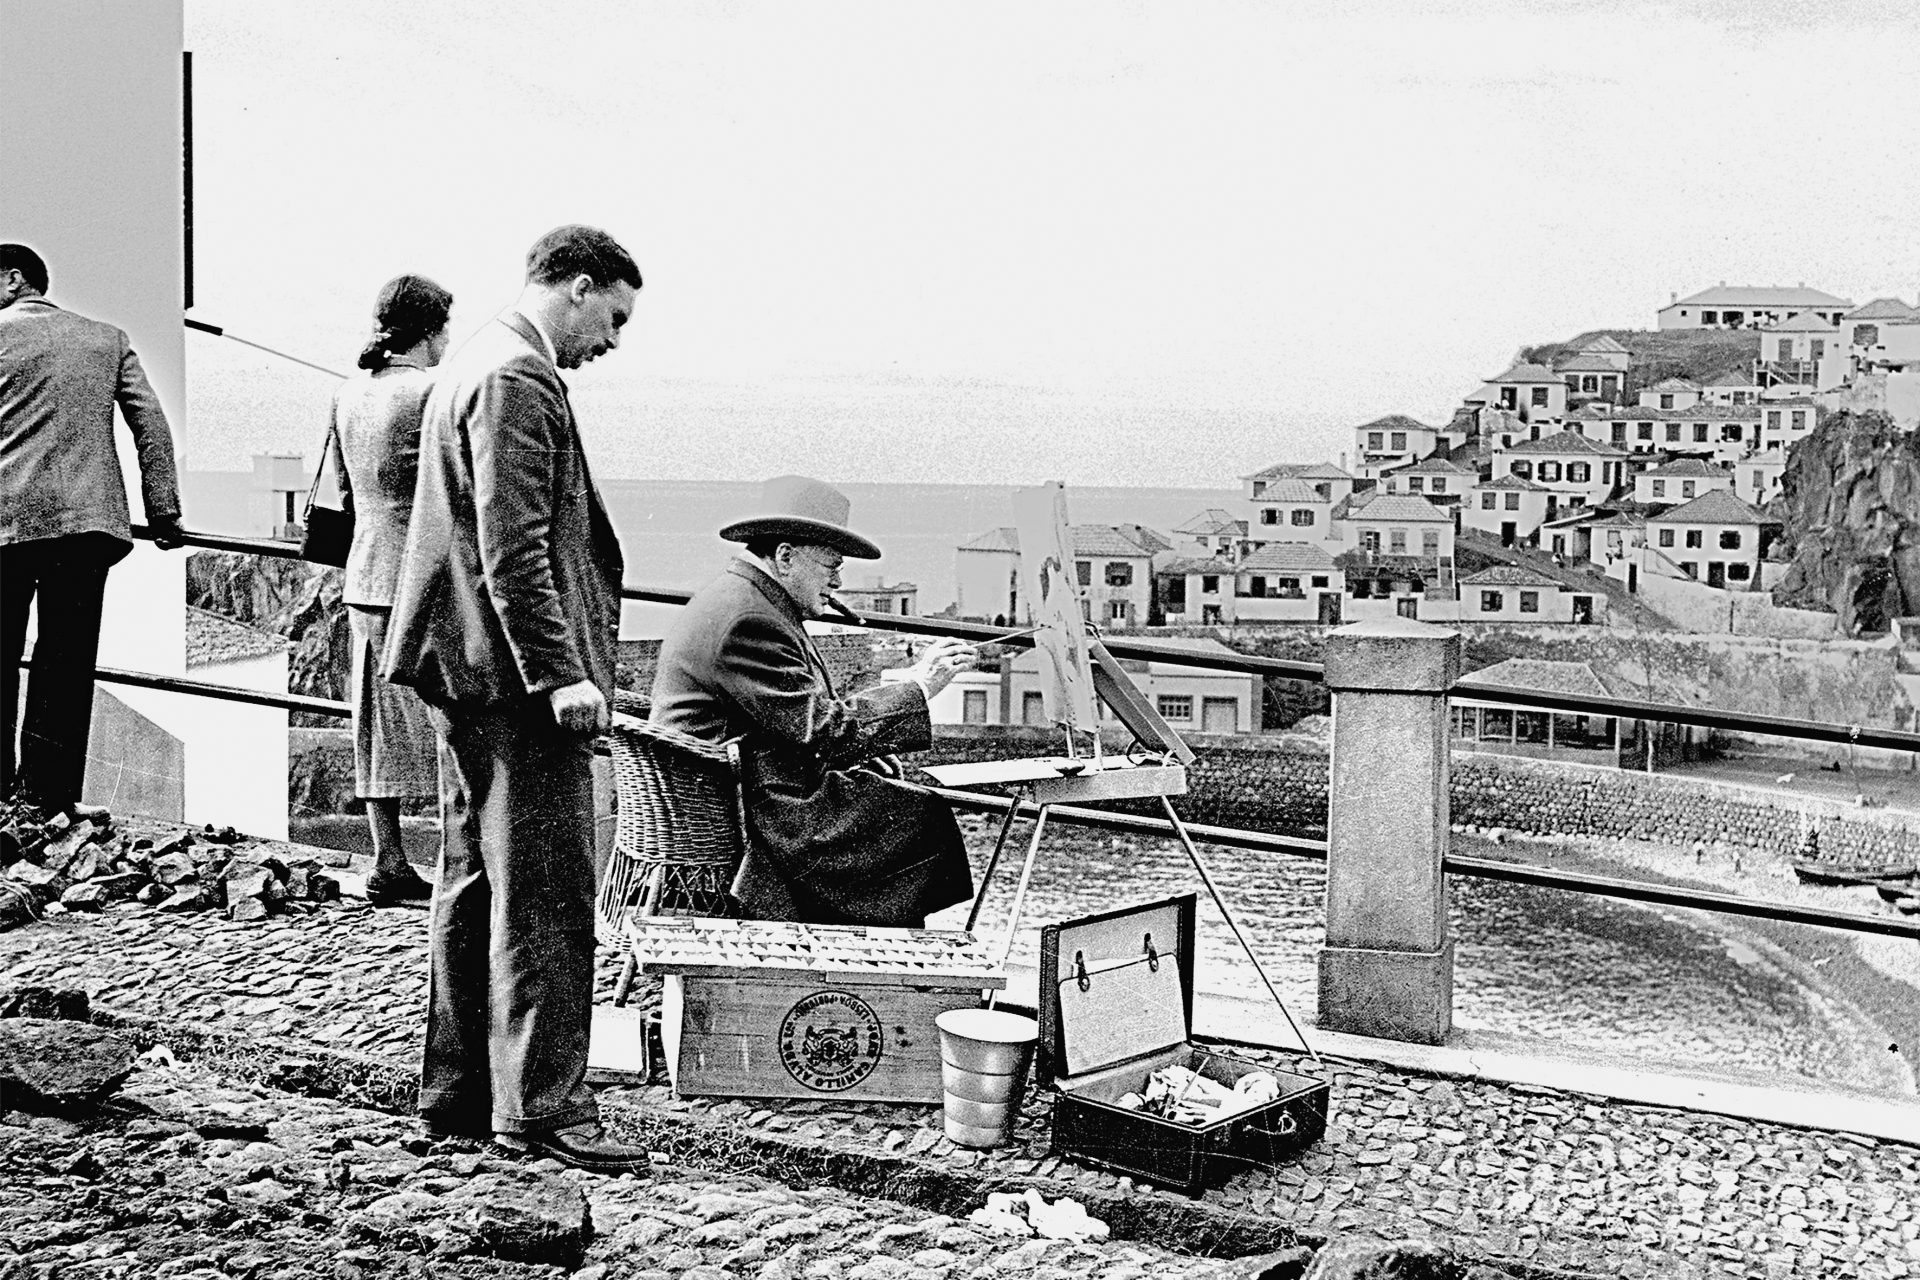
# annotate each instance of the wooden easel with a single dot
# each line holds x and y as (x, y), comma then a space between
(1049, 780)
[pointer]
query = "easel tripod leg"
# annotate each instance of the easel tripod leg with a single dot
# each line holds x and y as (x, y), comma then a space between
(1020, 894)
(1206, 878)
(986, 876)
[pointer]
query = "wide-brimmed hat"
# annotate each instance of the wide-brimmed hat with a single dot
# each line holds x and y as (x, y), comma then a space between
(800, 510)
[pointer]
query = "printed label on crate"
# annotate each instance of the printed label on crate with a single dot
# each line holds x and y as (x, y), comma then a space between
(830, 1041)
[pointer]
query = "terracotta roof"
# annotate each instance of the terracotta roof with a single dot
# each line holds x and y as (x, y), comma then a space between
(1738, 379)
(1568, 441)
(1583, 362)
(1513, 482)
(1213, 521)
(1002, 539)
(1306, 557)
(1687, 468)
(1802, 322)
(1748, 297)
(1577, 679)
(1510, 575)
(1194, 564)
(1304, 470)
(1673, 384)
(1721, 506)
(1290, 490)
(1088, 540)
(1621, 520)
(212, 637)
(1395, 422)
(1524, 372)
(1884, 309)
(1402, 506)
(1436, 466)
(1604, 343)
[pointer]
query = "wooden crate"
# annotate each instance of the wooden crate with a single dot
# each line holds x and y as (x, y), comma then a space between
(1116, 1004)
(771, 1009)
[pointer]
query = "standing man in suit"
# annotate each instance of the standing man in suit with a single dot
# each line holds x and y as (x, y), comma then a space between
(834, 838)
(505, 620)
(64, 519)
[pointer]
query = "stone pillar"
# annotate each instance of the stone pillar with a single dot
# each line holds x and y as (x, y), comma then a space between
(1387, 968)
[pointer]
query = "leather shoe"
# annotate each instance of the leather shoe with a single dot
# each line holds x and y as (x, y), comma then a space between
(401, 890)
(584, 1146)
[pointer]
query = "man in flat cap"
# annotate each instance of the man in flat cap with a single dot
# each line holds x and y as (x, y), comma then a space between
(832, 839)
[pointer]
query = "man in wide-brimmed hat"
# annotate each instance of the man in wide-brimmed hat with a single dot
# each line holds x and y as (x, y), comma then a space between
(832, 840)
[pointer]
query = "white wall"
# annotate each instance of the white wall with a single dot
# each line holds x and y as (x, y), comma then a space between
(237, 753)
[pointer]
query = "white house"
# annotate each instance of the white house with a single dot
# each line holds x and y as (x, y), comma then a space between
(1114, 564)
(1198, 589)
(1747, 307)
(1440, 480)
(1511, 593)
(1606, 348)
(1670, 393)
(1679, 481)
(1287, 582)
(1884, 331)
(874, 594)
(1510, 508)
(1615, 544)
(1503, 729)
(1730, 389)
(1756, 478)
(1211, 532)
(1578, 471)
(1291, 509)
(1785, 423)
(1190, 699)
(1532, 390)
(1329, 481)
(1393, 441)
(1804, 350)
(1716, 538)
(1396, 524)
(1728, 431)
(1591, 376)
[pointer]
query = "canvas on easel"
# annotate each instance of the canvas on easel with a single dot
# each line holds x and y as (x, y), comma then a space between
(1052, 588)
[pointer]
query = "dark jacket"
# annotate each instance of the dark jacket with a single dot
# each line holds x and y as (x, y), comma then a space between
(61, 375)
(510, 584)
(830, 842)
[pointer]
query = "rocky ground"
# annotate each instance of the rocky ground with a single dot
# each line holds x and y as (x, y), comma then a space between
(277, 1142)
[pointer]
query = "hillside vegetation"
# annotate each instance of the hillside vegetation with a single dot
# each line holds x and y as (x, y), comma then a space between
(1698, 355)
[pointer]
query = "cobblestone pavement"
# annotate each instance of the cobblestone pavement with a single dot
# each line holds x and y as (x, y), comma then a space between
(1555, 1179)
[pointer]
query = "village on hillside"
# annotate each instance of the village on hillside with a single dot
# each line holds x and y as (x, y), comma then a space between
(1621, 478)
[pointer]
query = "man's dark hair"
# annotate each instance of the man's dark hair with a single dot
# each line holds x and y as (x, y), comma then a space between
(573, 250)
(765, 545)
(17, 257)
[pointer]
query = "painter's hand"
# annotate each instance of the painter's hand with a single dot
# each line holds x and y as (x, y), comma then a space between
(580, 707)
(940, 662)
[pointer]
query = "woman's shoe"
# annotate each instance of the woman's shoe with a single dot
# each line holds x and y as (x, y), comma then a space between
(404, 889)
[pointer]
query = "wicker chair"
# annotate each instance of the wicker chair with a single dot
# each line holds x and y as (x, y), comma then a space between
(682, 831)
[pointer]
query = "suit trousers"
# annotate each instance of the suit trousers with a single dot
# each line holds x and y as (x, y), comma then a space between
(66, 580)
(510, 953)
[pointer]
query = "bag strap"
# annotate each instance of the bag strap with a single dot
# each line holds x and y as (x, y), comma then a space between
(320, 467)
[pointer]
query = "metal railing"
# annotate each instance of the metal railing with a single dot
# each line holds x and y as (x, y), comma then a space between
(1233, 837)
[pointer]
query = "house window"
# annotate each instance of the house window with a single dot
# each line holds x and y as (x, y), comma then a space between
(1699, 433)
(1730, 431)
(1373, 441)
(1176, 595)
(1268, 515)
(1492, 602)
(1547, 473)
(1399, 442)
(1301, 517)
(1429, 542)
(1686, 488)
(1689, 568)
(1659, 488)
(1320, 580)
(1759, 484)
(1579, 472)
(1773, 419)
(1539, 397)
(1529, 602)
(1289, 587)
(1708, 317)
(1116, 611)
(1175, 706)
(973, 706)
(1489, 501)
(1370, 540)
(1589, 383)
(1619, 433)
(1739, 572)
(1259, 488)
(1439, 484)
(1513, 502)
(1799, 419)
(1666, 537)
(1695, 539)
(1209, 584)
(1256, 586)
(1673, 433)
(1784, 352)
(1119, 573)
(1083, 569)
(1397, 541)
(1520, 467)
(1729, 539)
(1666, 399)
(1416, 484)
(1033, 707)
(1644, 430)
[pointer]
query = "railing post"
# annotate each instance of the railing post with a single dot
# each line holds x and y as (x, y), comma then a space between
(1387, 967)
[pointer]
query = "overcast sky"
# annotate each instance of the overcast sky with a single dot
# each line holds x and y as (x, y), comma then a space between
(1112, 243)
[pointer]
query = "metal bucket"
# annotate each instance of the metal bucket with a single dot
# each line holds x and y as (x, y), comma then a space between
(984, 1055)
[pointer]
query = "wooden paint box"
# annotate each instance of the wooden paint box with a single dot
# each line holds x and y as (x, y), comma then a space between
(771, 1009)
(1116, 1004)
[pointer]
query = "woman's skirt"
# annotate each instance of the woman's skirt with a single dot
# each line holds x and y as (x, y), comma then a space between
(395, 754)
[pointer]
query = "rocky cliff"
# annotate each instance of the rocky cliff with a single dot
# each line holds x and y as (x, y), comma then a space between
(1850, 513)
(289, 598)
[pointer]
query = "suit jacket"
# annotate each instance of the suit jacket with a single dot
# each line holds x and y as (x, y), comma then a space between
(829, 842)
(60, 377)
(376, 457)
(510, 583)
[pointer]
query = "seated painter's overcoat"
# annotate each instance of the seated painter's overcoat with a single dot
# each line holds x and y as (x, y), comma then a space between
(830, 842)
